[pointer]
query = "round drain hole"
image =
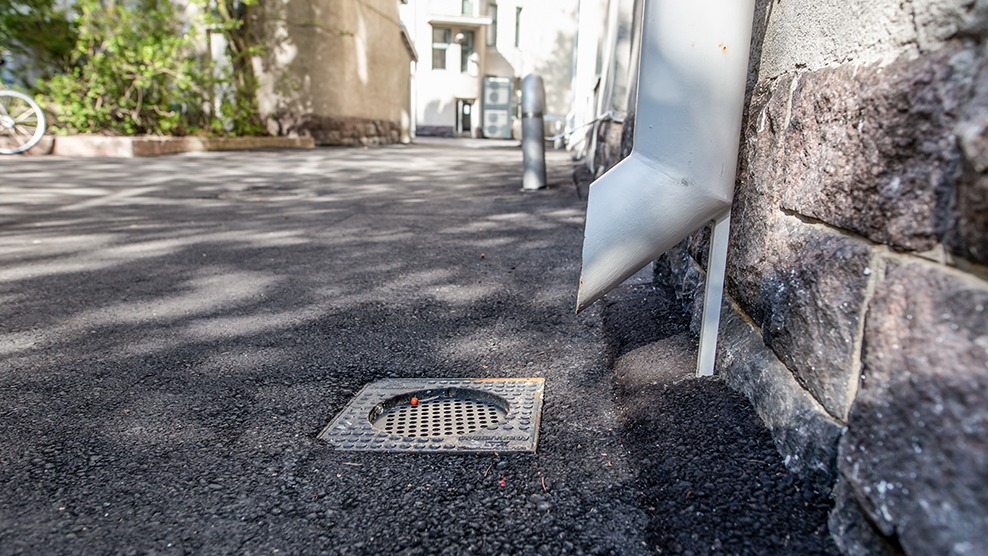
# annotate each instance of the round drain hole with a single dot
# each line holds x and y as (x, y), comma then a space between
(439, 413)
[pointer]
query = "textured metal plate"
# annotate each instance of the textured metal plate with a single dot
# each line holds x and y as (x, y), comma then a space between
(446, 415)
(452, 414)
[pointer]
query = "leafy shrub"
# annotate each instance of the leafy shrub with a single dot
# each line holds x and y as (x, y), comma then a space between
(35, 30)
(133, 70)
(237, 21)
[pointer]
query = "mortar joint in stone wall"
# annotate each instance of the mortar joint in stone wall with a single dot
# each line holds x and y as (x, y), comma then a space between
(979, 271)
(977, 275)
(937, 254)
(821, 224)
(814, 403)
(736, 307)
(792, 93)
(746, 318)
(876, 271)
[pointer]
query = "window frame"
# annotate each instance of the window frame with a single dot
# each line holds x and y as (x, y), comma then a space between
(492, 28)
(467, 48)
(441, 49)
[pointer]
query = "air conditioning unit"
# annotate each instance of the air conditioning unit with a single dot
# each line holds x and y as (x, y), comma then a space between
(497, 124)
(497, 96)
(497, 92)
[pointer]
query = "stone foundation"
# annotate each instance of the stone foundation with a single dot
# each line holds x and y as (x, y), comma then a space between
(330, 131)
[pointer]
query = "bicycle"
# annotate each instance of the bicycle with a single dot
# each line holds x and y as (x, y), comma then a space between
(22, 122)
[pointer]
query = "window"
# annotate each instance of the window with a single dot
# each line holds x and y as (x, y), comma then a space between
(440, 43)
(466, 7)
(517, 27)
(466, 50)
(492, 29)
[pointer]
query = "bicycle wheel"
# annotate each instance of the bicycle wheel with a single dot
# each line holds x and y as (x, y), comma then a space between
(22, 123)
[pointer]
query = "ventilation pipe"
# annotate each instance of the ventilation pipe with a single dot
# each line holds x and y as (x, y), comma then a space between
(681, 171)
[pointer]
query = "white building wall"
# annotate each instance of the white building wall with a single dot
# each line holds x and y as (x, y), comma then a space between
(541, 41)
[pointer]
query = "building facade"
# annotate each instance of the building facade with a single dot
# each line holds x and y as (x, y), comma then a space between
(472, 55)
(335, 70)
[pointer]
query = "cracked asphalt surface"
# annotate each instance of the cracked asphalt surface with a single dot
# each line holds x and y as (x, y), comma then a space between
(175, 332)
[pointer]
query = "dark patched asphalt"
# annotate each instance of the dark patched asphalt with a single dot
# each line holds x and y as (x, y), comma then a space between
(175, 332)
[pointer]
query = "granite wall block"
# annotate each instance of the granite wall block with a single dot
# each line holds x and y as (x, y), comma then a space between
(916, 449)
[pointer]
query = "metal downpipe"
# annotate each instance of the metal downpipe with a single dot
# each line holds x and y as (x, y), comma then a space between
(681, 171)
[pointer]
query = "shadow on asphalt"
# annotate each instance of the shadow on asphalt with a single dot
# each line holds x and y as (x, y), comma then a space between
(710, 476)
(175, 333)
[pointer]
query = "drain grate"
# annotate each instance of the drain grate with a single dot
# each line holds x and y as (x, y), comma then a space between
(477, 415)
(439, 416)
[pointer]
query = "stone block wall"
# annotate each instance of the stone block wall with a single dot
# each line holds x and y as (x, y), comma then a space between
(855, 318)
(857, 256)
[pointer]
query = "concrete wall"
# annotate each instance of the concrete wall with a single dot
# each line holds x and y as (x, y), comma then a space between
(336, 70)
(856, 316)
(548, 40)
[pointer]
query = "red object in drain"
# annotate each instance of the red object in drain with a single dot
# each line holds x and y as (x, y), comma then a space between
(414, 402)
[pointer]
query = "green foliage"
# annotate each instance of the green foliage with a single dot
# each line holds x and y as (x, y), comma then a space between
(132, 70)
(36, 30)
(240, 115)
(236, 21)
(135, 66)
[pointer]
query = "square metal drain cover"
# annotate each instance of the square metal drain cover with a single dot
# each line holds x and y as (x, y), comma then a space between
(441, 415)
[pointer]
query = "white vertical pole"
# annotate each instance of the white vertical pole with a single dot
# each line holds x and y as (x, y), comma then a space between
(533, 132)
(713, 294)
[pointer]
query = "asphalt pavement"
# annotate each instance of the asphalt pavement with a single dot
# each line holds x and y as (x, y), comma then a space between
(175, 332)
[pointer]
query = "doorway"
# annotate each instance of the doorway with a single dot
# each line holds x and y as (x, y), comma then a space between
(464, 116)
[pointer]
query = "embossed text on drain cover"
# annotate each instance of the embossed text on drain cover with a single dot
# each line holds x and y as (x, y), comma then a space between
(441, 415)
